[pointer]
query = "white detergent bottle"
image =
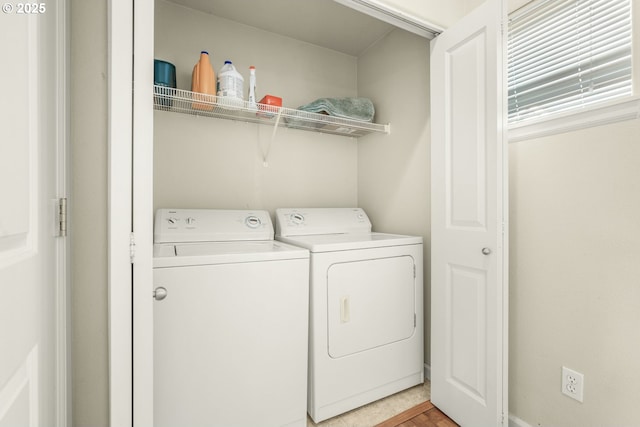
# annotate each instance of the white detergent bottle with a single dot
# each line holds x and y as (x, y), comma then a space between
(230, 86)
(252, 103)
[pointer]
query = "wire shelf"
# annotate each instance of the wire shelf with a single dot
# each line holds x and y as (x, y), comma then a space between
(198, 104)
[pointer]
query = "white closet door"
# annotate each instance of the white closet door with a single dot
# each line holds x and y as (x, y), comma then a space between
(32, 120)
(130, 213)
(468, 244)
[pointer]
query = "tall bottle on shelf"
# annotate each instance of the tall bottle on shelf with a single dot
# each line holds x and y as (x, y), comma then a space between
(252, 103)
(230, 86)
(203, 83)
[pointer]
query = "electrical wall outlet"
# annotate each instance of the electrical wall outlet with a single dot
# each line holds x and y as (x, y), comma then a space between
(572, 384)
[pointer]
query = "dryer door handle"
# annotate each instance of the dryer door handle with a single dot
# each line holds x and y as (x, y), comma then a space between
(345, 311)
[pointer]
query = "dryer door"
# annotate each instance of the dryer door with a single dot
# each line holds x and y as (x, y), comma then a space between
(371, 303)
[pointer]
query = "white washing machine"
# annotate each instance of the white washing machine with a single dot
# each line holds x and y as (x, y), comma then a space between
(230, 321)
(366, 308)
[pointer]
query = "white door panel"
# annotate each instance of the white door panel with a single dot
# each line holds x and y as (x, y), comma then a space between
(19, 396)
(466, 303)
(468, 252)
(19, 116)
(28, 248)
(465, 165)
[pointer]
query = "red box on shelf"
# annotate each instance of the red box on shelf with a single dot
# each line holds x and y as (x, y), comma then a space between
(270, 101)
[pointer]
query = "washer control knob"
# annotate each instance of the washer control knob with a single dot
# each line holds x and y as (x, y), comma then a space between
(190, 220)
(252, 221)
(159, 294)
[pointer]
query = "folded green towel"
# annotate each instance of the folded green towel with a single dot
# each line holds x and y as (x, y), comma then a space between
(346, 108)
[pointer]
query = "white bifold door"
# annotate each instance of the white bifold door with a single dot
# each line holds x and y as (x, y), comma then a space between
(32, 292)
(468, 229)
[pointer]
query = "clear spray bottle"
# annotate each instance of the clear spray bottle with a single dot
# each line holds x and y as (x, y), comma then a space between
(252, 104)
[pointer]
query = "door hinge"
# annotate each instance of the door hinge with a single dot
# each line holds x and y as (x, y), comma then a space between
(132, 247)
(415, 320)
(414, 271)
(61, 217)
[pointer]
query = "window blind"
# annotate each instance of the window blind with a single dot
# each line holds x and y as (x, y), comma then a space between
(567, 54)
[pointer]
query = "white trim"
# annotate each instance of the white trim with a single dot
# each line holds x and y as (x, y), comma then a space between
(635, 54)
(143, 212)
(504, 143)
(63, 282)
(628, 109)
(517, 422)
(120, 65)
(427, 372)
(395, 17)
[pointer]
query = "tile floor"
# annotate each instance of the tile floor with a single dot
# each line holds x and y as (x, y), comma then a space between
(381, 410)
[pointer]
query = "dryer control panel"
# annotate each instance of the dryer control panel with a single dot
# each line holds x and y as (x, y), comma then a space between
(311, 221)
(211, 225)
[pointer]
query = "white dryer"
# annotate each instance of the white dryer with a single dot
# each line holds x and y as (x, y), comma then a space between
(230, 321)
(366, 308)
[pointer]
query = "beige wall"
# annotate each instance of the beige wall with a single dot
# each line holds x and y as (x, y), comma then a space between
(214, 163)
(575, 299)
(575, 246)
(88, 212)
(393, 170)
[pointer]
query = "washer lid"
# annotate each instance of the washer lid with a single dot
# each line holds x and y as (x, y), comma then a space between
(211, 225)
(345, 242)
(209, 253)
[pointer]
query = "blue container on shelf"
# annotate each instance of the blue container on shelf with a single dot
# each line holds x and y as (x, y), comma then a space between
(164, 75)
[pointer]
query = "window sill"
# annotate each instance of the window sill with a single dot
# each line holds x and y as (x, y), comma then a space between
(618, 111)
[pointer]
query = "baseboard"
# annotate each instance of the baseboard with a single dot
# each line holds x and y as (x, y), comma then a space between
(427, 372)
(517, 422)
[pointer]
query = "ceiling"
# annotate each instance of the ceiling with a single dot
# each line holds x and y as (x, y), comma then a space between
(320, 22)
